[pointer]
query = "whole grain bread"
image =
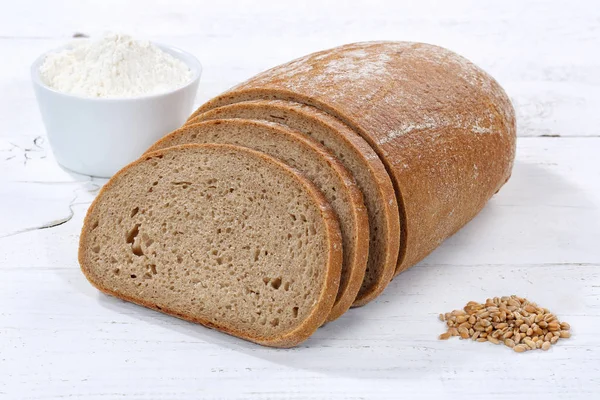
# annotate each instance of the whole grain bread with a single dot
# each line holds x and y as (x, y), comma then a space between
(319, 165)
(220, 235)
(359, 158)
(444, 128)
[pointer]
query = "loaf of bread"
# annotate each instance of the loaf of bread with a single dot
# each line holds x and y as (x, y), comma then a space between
(444, 129)
(319, 165)
(359, 158)
(304, 190)
(220, 235)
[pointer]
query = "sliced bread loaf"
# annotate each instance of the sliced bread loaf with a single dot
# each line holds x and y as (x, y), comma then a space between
(444, 128)
(359, 158)
(220, 235)
(319, 165)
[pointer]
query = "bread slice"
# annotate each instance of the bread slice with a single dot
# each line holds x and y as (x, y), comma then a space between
(444, 129)
(220, 235)
(359, 158)
(319, 165)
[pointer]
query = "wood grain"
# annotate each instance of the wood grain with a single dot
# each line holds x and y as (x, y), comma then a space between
(59, 338)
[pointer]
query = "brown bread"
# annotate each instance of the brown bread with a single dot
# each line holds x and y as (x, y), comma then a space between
(359, 158)
(319, 165)
(204, 233)
(442, 126)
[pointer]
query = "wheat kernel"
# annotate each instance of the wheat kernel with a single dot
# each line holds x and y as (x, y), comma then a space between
(565, 334)
(493, 340)
(520, 348)
(546, 346)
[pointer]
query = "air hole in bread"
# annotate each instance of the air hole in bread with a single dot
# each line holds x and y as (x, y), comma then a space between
(116, 271)
(134, 212)
(147, 276)
(136, 247)
(183, 184)
(132, 238)
(275, 322)
(295, 312)
(275, 283)
(153, 269)
(95, 225)
(133, 276)
(179, 259)
(286, 286)
(96, 249)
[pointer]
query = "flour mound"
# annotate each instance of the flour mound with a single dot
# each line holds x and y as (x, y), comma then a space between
(114, 66)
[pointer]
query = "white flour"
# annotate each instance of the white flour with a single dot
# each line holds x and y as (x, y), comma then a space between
(114, 66)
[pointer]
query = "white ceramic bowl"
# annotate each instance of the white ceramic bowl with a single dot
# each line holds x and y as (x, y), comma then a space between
(99, 136)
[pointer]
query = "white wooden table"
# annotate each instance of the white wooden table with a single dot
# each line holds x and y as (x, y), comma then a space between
(539, 237)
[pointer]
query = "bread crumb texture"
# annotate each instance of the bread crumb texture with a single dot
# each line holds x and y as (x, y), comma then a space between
(222, 236)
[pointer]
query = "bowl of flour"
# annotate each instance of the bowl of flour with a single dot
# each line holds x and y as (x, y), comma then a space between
(105, 101)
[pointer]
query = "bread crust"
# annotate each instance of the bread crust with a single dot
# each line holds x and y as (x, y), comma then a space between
(444, 128)
(370, 162)
(331, 279)
(357, 264)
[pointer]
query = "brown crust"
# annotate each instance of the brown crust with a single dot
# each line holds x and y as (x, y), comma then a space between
(444, 128)
(327, 297)
(370, 162)
(357, 264)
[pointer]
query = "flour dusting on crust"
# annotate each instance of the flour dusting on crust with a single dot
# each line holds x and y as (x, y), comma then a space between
(444, 128)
